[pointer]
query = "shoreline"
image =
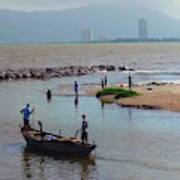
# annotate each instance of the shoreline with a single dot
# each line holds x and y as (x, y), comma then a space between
(157, 97)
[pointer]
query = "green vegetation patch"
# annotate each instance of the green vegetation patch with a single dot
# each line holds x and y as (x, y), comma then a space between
(117, 92)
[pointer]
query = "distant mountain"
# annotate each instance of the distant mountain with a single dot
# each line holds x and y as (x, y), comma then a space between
(108, 20)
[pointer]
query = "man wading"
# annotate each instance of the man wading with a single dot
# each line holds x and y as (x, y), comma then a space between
(84, 130)
(76, 88)
(26, 114)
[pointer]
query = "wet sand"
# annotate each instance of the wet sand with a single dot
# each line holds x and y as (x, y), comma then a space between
(165, 97)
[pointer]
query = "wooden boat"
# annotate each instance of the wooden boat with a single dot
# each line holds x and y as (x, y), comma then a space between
(51, 144)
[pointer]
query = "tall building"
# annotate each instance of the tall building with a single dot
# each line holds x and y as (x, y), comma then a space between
(88, 35)
(143, 29)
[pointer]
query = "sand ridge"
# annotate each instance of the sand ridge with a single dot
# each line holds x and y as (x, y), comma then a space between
(165, 97)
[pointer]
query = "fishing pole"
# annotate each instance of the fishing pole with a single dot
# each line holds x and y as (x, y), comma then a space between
(33, 112)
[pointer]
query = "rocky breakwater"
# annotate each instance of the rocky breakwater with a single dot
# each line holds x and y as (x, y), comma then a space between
(44, 73)
(53, 72)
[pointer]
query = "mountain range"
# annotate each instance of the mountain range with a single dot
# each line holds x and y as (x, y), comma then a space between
(107, 20)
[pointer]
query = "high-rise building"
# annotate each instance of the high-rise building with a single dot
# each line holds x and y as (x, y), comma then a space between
(143, 29)
(87, 35)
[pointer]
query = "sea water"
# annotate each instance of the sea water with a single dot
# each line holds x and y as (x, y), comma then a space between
(131, 143)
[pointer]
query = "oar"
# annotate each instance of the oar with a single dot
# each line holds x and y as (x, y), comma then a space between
(33, 116)
(77, 133)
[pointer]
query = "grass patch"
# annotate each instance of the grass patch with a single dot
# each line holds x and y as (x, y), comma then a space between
(117, 92)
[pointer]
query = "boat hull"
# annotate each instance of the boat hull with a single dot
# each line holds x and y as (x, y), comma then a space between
(58, 148)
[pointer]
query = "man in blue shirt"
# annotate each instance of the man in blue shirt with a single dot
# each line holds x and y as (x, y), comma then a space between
(26, 114)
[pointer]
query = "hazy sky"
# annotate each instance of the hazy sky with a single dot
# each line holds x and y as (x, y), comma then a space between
(170, 7)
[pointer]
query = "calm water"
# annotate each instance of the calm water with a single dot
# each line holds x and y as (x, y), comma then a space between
(132, 144)
(155, 56)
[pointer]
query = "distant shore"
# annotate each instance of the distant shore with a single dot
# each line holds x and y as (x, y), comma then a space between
(163, 96)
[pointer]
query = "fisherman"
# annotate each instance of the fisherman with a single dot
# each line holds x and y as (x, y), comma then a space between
(26, 114)
(102, 83)
(76, 88)
(105, 80)
(129, 81)
(48, 94)
(84, 130)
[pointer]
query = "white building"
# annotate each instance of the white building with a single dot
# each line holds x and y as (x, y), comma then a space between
(143, 29)
(88, 35)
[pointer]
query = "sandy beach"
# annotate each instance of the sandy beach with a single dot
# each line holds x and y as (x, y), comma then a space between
(165, 97)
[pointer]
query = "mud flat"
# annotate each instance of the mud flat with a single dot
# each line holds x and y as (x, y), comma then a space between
(158, 96)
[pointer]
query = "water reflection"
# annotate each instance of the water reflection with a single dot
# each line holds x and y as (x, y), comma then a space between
(76, 101)
(26, 164)
(49, 100)
(102, 105)
(129, 114)
(30, 163)
(37, 166)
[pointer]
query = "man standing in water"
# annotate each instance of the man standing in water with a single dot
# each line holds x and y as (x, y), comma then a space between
(105, 80)
(84, 130)
(76, 88)
(48, 95)
(26, 114)
(102, 83)
(129, 81)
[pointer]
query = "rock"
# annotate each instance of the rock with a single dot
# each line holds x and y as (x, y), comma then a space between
(81, 72)
(149, 88)
(9, 75)
(122, 68)
(26, 74)
(156, 83)
(110, 68)
(51, 72)
(101, 67)
(18, 75)
(2, 75)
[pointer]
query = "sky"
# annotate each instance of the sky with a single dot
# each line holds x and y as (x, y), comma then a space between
(170, 7)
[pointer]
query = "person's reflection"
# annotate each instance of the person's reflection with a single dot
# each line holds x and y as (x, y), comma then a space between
(76, 101)
(41, 168)
(49, 100)
(26, 164)
(102, 104)
(102, 109)
(129, 114)
(29, 162)
(87, 165)
(130, 121)
(84, 172)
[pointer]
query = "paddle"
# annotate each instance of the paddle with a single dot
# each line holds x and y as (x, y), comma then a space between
(33, 112)
(77, 131)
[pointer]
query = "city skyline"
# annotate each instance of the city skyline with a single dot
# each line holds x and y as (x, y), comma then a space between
(113, 22)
